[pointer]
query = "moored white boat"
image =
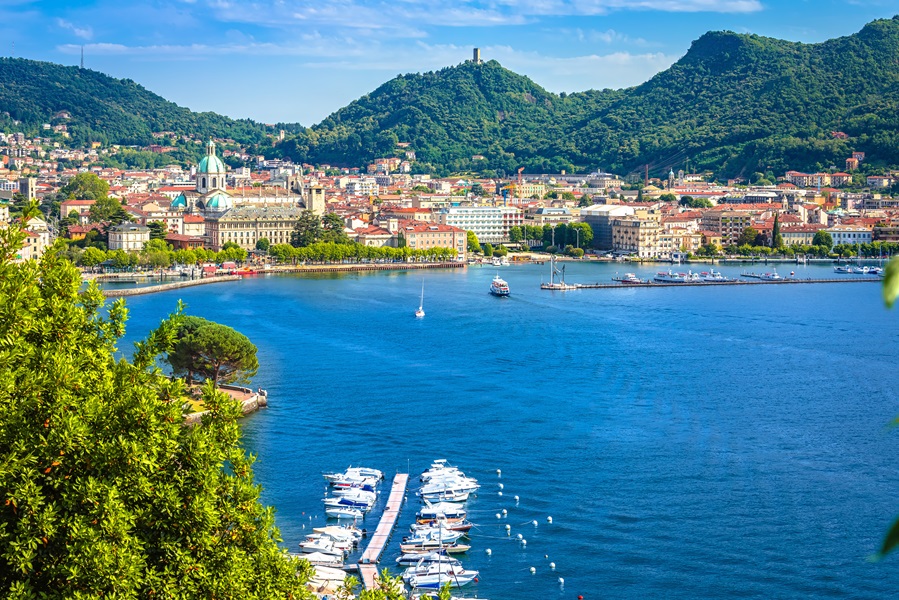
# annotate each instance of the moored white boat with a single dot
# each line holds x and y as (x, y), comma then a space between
(630, 278)
(344, 512)
(437, 580)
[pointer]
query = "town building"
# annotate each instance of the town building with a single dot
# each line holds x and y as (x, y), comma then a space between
(487, 222)
(246, 225)
(421, 236)
(130, 237)
(600, 217)
(850, 234)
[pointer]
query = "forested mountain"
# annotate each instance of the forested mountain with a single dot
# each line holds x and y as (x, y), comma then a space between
(103, 108)
(735, 104)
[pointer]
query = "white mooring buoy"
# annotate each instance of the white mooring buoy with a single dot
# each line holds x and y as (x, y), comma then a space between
(499, 472)
(499, 493)
(533, 570)
(500, 486)
(524, 542)
(499, 516)
(520, 536)
(552, 566)
(534, 522)
(516, 499)
(549, 519)
(489, 551)
(561, 581)
(505, 512)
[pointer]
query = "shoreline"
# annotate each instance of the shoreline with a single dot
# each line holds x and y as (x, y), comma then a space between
(321, 268)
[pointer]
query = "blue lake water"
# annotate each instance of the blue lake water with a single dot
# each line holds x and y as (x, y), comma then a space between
(697, 442)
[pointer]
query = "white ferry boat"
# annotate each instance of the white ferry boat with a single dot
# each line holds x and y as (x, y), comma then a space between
(672, 277)
(499, 287)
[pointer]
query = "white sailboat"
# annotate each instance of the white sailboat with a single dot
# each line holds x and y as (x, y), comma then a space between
(421, 311)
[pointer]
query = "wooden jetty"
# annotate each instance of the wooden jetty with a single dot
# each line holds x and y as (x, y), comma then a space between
(368, 563)
(741, 283)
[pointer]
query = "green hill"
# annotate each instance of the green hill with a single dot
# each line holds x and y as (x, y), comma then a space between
(103, 108)
(735, 104)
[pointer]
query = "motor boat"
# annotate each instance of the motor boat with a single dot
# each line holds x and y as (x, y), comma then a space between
(355, 473)
(446, 510)
(444, 567)
(457, 526)
(414, 558)
(437, 580)
(344, 512)
(629, 278)
(713, 276)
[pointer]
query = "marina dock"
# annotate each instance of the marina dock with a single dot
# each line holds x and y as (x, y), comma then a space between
(368, 563)
(658, 284)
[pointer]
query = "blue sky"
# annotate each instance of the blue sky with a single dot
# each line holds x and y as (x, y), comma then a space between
(298, 61)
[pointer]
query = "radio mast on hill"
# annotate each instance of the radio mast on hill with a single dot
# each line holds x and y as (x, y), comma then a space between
(82, 56)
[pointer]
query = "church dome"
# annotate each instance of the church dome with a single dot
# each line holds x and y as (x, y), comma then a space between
(211, 163)
(218, 202)
(179, 202)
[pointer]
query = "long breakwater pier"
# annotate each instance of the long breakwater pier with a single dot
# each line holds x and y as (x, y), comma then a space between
(368, 563)
(739, 282)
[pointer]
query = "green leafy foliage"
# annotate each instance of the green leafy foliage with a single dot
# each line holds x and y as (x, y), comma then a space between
(103, 491)
(891, 282)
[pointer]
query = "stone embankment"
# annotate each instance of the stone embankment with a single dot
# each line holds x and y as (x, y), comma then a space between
(250, 401)
(163, 287)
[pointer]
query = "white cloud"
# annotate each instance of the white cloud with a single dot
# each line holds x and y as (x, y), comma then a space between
(396, 16)
(82, 32)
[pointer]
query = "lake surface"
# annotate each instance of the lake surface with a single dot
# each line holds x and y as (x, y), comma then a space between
(696, 442)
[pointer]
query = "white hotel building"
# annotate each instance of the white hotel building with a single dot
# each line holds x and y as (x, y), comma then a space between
(489, 223)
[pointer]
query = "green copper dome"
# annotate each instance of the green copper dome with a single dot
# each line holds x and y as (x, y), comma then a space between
(179, 202)
(211, 163)
(218, 201)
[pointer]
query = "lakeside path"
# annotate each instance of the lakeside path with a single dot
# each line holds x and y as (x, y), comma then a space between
(163, 287)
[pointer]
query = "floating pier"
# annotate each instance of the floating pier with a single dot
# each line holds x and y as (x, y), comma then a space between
(658, 284)
(368, 563)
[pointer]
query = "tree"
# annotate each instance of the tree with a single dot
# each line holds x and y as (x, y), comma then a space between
(500, 251)
(157, 230)
(776, 239)
(478, 190)
(669, 197)
(92, 257)
(473, 244)
(263, 244)
(747, 238)
(108, 210)
(823, 238)
(515, 234)
(585, 201)
(334, 229)
(85, 186)
(212, 351)
(488, 250)
(230, 245)
(106, 493)
(581, 234)
(307, 231)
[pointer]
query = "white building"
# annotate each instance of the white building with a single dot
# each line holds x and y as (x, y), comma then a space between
(850, 234)
(130, 237)
(485, 221)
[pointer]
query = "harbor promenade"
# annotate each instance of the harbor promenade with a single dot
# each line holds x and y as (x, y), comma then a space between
(368, 563)
(739, 282)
